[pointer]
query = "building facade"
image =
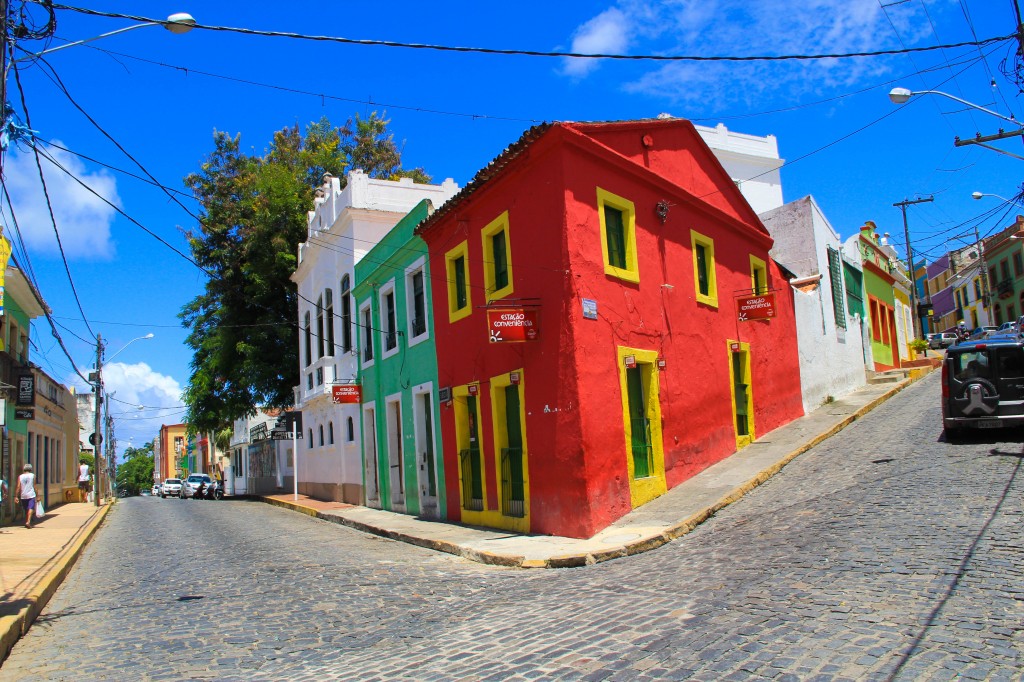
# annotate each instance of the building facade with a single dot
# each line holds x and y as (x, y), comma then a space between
(20, 304)
(829, 334)
(344, 225)
(1004, 256)
(404, 471)
(879, 299)
(592, 349)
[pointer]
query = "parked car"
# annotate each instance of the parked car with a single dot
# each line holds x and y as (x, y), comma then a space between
(156, 490)
(983, 385)
(942, 340)
(171, 487)
(192, 483)
(982, 332)
(1008, 328)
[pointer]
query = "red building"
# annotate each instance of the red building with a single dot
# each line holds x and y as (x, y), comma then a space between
(618, 253)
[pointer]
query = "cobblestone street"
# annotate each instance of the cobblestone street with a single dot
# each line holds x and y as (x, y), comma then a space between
(884, 553)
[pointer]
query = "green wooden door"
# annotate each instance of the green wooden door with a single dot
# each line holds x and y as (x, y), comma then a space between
(513, 498)
(639, 423)
(740, 391)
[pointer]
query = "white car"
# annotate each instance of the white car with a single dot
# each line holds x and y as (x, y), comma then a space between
(156, 489)
(172, 487)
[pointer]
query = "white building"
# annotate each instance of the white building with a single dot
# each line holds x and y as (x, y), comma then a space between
(258, 465)
(343, 226)
(751, 161)
(830, 341)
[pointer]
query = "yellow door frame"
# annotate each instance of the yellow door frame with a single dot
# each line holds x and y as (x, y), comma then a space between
(744, 348)
(500, 439)
(643, 490)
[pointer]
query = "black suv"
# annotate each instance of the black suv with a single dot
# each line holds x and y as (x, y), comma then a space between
(983, 384)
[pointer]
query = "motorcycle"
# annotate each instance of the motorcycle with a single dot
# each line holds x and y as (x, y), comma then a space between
(214, 491)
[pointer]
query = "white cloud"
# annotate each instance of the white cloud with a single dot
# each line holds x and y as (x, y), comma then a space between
(607, 33)
(137, 384)
(83, 220)
(752, 27)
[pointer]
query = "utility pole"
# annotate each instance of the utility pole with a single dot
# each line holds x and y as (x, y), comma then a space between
(985, 294)
(97, 426)
(910, 261)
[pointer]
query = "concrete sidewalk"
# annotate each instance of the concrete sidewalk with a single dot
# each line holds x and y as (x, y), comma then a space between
(34, 562)
(662, 520)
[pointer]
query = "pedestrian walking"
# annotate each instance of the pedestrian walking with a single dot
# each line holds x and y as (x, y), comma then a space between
(3, 496)
(26, 492)
(83, 481)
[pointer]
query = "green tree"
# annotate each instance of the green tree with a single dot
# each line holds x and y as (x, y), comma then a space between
(136, 472)
(253, 216)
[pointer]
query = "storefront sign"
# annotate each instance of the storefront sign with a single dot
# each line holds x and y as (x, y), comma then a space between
(589, 309)
(258, 432)
(347, 394)
(512, 324)
(630, 361)
(760, 307)
(26, 390)
(26, 413)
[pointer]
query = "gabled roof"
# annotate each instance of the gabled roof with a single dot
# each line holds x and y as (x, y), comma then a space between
(587, 135)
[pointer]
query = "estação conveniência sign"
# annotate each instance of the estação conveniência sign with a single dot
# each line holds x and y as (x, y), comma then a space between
(512, 324)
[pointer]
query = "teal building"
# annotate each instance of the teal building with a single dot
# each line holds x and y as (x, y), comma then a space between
(397, 374)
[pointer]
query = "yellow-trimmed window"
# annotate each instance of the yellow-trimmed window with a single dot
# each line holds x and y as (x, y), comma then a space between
(457, 271)
(618, 236)
(758, 276)
(497, 258)
(704, 281)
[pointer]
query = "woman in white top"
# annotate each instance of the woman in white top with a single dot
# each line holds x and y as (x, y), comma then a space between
(27, 493)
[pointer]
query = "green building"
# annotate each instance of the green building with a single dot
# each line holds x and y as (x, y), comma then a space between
(1004, 256)
(20, 303)
(402, 463)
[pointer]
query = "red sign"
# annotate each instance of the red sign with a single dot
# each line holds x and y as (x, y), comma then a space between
(760, 307)
(512, 324)
(346, 394)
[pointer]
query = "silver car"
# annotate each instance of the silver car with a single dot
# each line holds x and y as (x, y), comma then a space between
(192, 483)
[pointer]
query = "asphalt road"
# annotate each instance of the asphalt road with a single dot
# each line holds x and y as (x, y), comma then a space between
(884, 553)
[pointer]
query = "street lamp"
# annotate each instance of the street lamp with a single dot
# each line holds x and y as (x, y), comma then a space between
(97, 437)
(902, 95)
(178, 23)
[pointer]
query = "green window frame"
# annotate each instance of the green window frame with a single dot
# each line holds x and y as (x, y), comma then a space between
(705, 282)
(617, 218)
(497, 251)
(459, 296)
(835, 273)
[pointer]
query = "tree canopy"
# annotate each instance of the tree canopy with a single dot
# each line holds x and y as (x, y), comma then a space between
(243, 327)
(136, 472)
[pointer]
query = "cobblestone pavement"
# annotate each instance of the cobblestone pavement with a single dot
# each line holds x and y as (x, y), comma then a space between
(884, 553)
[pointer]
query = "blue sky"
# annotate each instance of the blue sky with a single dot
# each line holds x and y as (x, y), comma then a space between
(161, 96)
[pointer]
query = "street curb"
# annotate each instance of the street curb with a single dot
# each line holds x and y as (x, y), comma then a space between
(638, 546)
(13, 627)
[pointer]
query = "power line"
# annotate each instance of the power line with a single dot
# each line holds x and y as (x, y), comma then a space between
(49, 205)
(540, 53)
(135, 222)
(51, 73)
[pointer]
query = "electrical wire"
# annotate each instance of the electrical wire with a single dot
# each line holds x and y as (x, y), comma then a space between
(114, 206)
(51, 73)
(49, 205)
(540, 53)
